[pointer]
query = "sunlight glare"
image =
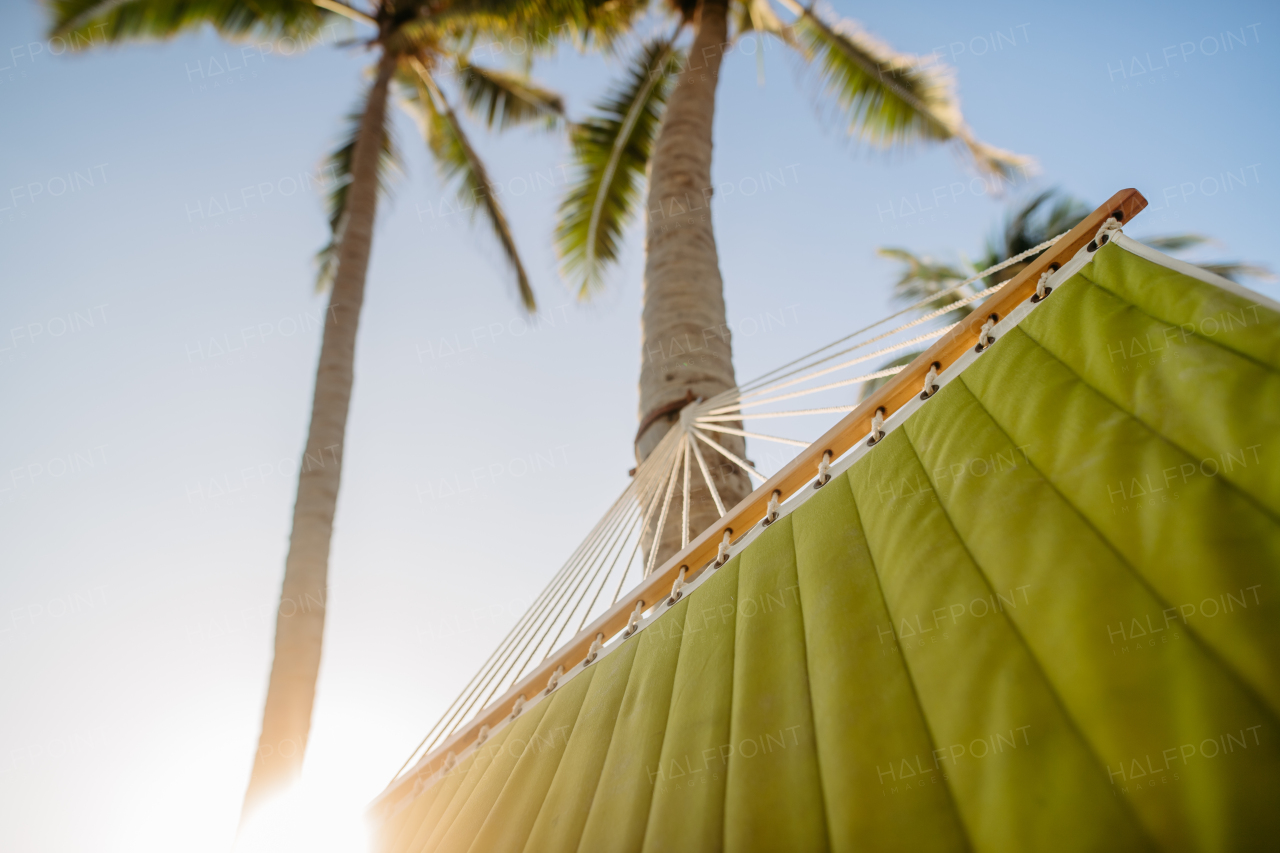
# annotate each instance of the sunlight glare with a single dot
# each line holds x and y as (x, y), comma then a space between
(306, 819)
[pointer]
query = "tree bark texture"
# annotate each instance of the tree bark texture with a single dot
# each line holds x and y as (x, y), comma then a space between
(286, 717)
(685, 340)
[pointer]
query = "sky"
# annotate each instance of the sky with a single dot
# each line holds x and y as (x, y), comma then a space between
(160, 207)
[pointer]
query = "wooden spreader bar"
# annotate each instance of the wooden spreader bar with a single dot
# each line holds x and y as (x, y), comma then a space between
(796, 475)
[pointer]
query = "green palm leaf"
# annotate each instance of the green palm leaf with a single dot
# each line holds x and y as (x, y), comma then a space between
(458, 162)
(612, 151)
(529, 28)
(756, 16)
(888, 98)
(339, 165)
(1236, 270)
(923, 277)
(502, 99)
(86, 22)
(1177, 242)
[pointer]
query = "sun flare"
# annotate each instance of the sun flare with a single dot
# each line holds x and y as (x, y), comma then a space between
(306, 819)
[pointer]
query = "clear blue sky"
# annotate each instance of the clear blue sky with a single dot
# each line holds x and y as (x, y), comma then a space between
(157, 360)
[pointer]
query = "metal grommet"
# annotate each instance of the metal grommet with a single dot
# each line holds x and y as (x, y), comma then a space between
(933, 387)
(677, 587)
(824, 470)
(985, 338)
(1053, 267)
(633, 624)
(771, 514)
(722, 556)
(877, 424)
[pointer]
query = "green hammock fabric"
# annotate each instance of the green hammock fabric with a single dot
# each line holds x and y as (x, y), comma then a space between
(1040, 615)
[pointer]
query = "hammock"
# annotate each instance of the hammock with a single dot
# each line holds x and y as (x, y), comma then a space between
(1028, 603)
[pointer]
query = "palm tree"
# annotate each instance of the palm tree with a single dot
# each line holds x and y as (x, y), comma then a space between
(660, 118)
(1043, 216)
(416, 44)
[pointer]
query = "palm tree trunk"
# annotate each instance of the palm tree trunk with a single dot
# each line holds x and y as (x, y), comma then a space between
(685, 341)
(286, 717)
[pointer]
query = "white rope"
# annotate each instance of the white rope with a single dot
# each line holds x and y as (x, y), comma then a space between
(730, 455)
(1109, 227)
(882, 351)
(586, 614)
(786, 414)
(677, 586)
(1042, 286)
(722, 555)
(517, 666)
(824, 470)
(732, 431)
(529, 645)
(684, 520)
(930, 382)
(954, 306)
(597, 646)
(631, 557)
(771, 514)
(554, 681)
(465, 700)
(1034, 250)
(706, 476)
(643, 527)
(634, 620)
(879, 374)
(662, 519)
(985, 338)
(877, 426)
(550, 621)
(591, 582)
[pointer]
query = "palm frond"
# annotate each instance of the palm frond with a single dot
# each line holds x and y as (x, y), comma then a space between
(887, 98)
(1236, 270)
(1044, 215)
(459, 163)
(922, 277)
(757, 16)
(612, 150)
(338, 166)
(1178, 242)
(86, 23)
(528, 28)
(502, 99)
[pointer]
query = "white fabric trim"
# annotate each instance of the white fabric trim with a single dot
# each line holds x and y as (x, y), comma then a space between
(1157, 257)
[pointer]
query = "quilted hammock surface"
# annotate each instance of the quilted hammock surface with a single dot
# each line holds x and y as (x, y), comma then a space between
(1043, 614)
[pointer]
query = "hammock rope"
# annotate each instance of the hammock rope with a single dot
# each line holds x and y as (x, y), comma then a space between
(636, 521)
